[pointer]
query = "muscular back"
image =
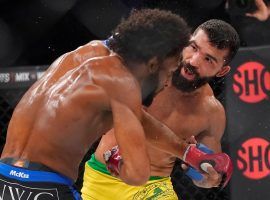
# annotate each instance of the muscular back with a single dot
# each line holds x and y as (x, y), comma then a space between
(67, 109)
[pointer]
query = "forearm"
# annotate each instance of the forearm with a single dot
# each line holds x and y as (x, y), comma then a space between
(161, 137)
(129, 135)
(211, 142)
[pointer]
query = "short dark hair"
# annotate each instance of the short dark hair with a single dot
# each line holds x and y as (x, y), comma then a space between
(150, 32)
(222, 35)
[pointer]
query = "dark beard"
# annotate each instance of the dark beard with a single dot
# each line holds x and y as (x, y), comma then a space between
(185, 85)
(149, 87)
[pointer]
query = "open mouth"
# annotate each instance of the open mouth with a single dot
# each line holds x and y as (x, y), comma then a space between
(188, 73)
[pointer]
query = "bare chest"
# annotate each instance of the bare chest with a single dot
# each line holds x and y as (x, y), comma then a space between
(186, 124)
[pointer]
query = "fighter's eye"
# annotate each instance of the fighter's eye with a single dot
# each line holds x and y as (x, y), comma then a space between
(208, 59)
(193, 47)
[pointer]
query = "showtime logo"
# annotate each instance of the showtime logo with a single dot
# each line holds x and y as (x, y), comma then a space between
(251, 82)
(253, 158)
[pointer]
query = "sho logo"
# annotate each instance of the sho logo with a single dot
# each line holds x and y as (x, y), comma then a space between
(18, 174)
(251, 82)
(253, 158)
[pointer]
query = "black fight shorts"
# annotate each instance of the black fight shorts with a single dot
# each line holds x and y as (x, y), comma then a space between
(18, 183)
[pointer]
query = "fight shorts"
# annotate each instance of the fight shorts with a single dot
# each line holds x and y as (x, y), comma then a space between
(17, 183)
(98, 184)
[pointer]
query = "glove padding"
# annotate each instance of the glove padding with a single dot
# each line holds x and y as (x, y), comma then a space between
(113, 161)
(221, 162)
(193, 173)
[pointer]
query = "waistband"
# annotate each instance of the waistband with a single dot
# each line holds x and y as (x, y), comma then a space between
(27, 175)
(99, 166)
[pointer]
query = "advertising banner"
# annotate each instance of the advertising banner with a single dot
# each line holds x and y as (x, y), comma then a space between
(20, 77)
(248, 123)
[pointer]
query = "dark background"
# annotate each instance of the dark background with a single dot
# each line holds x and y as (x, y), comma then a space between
(35, 32)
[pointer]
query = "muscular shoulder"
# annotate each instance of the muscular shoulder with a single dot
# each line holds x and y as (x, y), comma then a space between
(109, 73)
(73, 59)
(214, 108)
(216, 118)
(212, 104)
(90, 50)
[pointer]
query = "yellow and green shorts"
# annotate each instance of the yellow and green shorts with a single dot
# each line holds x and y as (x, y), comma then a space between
(98, 184)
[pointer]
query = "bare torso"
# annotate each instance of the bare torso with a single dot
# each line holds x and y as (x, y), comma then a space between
(64, 112)
(185, 115)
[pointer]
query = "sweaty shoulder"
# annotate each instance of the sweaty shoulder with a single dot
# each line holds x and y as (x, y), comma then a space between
(110, 73)
(73, 59)
(214, 107)
(90, 50)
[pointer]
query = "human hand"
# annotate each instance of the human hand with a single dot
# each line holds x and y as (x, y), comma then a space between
(200, 161)
(209, 179)
(262, 12)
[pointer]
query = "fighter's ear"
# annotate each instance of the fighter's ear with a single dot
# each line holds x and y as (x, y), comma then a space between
(224, 70)
(153, 65)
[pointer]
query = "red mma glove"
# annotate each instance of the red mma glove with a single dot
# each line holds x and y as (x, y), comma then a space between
(113, 160)
(221, 162)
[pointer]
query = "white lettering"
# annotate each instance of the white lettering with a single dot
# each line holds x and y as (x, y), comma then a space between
(18, 174)
(29, 195)
(4, 77)
(2, 197)
(18, 193)
(11, 192)
(22, 77)
(36, 197)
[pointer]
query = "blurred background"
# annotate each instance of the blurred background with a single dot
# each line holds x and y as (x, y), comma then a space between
(34, 33)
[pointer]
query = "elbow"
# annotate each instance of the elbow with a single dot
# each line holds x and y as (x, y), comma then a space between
(137, 180)
(136, 177)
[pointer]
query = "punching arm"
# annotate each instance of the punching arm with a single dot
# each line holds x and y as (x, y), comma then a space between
(161, 137)
(131, 141)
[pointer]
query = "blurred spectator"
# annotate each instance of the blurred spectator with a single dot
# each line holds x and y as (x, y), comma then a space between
(251, 19)
(195, 12)
(262, 12)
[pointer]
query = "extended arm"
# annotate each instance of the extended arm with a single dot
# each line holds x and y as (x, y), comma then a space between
(161, 137)
(129, 134)
(211, 138)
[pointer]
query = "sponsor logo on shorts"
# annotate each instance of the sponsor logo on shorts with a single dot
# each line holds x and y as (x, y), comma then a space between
(15, 191)
(253, 158)
(158, 190)
(251, 82)
(18, 174)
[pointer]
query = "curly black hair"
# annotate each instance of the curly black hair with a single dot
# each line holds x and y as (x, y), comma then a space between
(221, 35)
(150, 32)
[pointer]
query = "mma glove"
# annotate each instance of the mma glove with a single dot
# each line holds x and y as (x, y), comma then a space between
(193, 173)
(221, 162)
(113, 161)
